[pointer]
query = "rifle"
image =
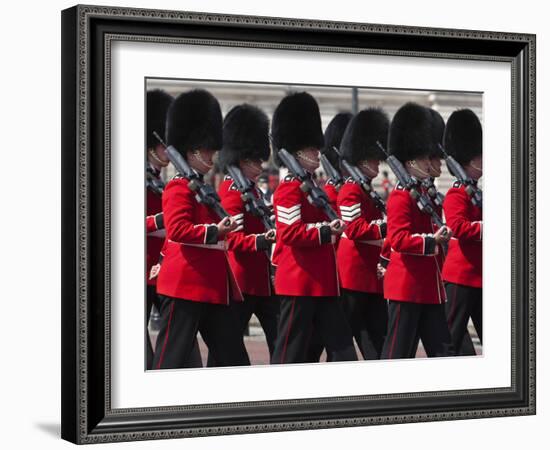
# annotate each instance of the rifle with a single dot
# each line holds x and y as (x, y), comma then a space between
(253, 204)
(458, 171)
(315, 195)
(331, 171)
(156, 185)
(436, 196)
(204, 193)
(363, 181)
(408, 182)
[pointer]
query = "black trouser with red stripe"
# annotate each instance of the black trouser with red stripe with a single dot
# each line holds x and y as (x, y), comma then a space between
(195, 359)
(266, 310)
(180, 322)
(467, 348)
(407, 320)
(463, 302)
(367, 314)
(299, 316)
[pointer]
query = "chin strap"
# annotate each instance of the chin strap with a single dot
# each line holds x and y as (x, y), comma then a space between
(372, 172)
(301, 155)
(197, 155)
(425, 174)
(433, 170)
(476, 168)
(253, 168)
(154, 155)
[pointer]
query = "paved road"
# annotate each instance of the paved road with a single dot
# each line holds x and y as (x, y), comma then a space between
(259, 354)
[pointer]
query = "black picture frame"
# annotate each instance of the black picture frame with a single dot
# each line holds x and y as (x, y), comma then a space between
(87, 32)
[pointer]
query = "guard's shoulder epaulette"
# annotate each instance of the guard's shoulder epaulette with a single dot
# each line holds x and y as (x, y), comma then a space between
(178, 177)
(227, 178)
(330, 182)
(457, 184)
(289, 177)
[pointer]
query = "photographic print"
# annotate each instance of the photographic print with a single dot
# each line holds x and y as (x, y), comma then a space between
(303, 271)
(281, 224)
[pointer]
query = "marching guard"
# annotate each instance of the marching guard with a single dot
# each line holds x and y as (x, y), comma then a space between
(462, 271)
(333, 137)
(412, 283)
(359, 249)
(158, 102)
(306, 277)
(246, 146)
(195, 282)
(467, 347)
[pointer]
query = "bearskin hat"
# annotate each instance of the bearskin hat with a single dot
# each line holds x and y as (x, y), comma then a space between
(359, 141)
(411, 135)
(194, 121)
(296, 124)
(333, 136)
(245, 135)
(158, 102)
(463, 136)
(438, 127)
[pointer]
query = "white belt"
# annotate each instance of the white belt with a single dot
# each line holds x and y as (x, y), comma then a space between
(220, 245)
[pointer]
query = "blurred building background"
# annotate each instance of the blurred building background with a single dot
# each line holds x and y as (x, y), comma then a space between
(332, 100)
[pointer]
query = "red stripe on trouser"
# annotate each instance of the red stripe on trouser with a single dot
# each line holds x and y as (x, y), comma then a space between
(452, 312)
(166, 337)
(395, 330)
(283, 354)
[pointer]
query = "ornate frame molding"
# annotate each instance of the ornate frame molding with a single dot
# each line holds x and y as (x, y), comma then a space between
(78, 425)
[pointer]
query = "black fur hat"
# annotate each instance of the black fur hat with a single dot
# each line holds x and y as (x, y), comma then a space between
(359, 141)
(158, 102)
(411, 135)
(463, 136)
(245, 135)
(296, 124)
(194, 121)
(438, 127)
(333, 136)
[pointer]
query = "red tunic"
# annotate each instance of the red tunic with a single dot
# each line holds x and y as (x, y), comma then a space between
(463, 264)
(155, 239)
(359, 249)
(195, 265)
(414, 272)
(304, 254)
(385, 252)
(246, 244)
